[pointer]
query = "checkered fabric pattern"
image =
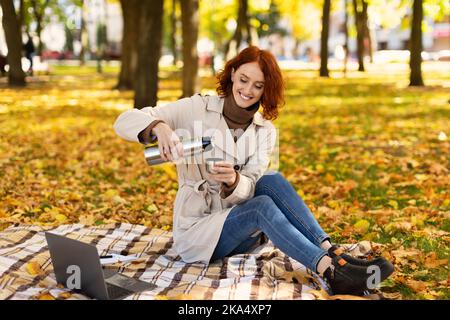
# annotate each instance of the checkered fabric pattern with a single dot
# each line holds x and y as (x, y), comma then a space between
(264, 273)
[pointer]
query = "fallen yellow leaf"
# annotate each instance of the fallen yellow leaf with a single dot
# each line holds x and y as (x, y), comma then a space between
(65, 295)
(362, 226)
(61, 218)
(323, 295)
(170, 170)
(110, 193)
(45, 296)
(415, 285)
(329, 178)
(34, 268)
(431, 261)
(393, 204)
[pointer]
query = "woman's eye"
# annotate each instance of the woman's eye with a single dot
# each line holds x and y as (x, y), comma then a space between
(259, 88)
(243, 81)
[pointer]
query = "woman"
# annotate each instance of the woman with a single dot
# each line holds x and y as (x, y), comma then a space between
(227, 212)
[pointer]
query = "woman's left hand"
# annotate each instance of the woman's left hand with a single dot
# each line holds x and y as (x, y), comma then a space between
(225, 173)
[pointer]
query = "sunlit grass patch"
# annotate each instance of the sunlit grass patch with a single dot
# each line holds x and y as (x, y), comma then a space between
(368, 156)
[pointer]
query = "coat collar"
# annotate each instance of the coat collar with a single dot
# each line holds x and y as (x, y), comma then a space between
(215, 104)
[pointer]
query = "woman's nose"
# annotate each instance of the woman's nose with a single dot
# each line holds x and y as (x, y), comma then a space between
(248, 90)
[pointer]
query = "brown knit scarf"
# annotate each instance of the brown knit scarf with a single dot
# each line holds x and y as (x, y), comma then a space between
(237, 117)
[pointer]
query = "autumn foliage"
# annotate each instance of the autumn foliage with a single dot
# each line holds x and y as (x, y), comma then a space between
(367, 154)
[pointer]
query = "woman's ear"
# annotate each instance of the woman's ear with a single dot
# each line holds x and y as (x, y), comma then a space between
(232, 74)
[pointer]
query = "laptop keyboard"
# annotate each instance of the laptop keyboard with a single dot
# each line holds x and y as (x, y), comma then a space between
(116, 292)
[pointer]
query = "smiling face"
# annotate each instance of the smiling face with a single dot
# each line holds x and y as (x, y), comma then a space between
(248, 84)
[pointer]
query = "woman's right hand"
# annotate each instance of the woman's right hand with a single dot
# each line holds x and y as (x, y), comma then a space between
(169, 143)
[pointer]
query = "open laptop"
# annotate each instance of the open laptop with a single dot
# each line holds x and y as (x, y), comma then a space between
(77, 266)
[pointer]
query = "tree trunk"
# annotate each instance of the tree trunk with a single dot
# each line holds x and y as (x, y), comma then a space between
(84, 41)
(367, 34)
(39, 34)
(324, 39)
(16, 76)
(39, 12)
(149, 53)
(190, 21)
(359, 23)
(296, 49)
(173, 39)
(346, 37)
(101, 45)
(131, 10)
(102, 37)
(68, 46)
(242, 29)
(247, 34)
(21, 16)
(368, 37)
(415, 61)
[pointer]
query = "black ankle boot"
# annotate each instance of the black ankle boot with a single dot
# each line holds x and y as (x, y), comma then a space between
(346, 278)
(386, 268)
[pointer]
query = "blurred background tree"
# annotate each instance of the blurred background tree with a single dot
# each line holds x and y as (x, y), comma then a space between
(309, 30)
(11, 26)
(130, 38)
(189, 26)
(148, 53)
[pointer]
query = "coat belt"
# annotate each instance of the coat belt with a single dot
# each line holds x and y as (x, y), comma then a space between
(204, 189)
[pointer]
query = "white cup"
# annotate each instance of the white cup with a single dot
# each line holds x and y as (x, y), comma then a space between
(210, 162)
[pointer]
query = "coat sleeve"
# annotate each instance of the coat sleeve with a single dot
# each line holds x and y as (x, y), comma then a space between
(256, 166)
(130, 123)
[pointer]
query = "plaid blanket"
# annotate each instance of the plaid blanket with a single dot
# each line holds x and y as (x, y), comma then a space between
(26, 271)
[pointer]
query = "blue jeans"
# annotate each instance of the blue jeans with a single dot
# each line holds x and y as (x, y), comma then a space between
(279, 212)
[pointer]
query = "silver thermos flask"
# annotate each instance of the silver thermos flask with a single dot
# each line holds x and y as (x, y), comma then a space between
(190, 147)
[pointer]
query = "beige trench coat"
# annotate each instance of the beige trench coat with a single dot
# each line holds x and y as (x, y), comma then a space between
(200, 207)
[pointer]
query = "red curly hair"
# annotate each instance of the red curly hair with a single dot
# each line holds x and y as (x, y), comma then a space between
(273, 96)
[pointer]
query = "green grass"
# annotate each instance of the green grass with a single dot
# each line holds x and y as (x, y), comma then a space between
(64, 69)
(361, 147)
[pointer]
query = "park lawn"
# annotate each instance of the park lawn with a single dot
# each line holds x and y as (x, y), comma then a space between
(368, 155)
